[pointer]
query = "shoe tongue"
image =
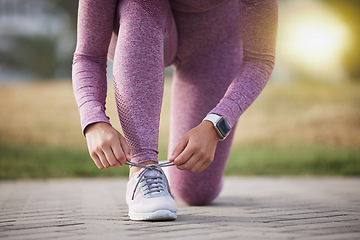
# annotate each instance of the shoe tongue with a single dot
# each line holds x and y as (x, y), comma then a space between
(151, 173)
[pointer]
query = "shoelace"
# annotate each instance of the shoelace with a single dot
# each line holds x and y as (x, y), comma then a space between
(153, 183)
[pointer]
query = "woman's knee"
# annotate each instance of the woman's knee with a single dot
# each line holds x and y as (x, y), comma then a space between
(194, 189)
(195, 196)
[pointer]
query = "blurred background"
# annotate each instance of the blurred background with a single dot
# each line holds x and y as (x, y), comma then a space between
(306, 121)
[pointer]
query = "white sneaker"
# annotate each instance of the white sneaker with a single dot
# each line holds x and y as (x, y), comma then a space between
(148, 194)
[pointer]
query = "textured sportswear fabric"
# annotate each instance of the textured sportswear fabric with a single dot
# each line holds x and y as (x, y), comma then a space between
(223, 53)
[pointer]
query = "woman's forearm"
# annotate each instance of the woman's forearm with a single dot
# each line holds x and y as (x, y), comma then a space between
(258, 28)
(95, 26)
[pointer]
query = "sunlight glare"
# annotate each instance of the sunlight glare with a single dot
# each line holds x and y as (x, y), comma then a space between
(315, 39)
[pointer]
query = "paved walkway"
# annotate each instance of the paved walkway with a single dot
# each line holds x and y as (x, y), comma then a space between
(248, 208)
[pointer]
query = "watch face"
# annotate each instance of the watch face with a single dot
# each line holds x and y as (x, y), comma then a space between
(223, 127)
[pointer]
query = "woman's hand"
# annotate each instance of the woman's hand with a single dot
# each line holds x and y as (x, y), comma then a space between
(107, 147)
(196, 150)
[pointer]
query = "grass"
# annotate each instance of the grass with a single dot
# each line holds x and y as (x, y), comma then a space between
(299, 128)
(18, 161)
(293, 160)
(41, 161)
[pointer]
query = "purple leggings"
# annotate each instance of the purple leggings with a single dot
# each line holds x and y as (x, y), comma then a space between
(223, 55)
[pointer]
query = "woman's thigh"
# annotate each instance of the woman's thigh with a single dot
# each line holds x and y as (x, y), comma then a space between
(208, 59)
(160, 13)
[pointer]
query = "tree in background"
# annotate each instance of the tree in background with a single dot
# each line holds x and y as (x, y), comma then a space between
(47, 56)
(37, 38)
(34, 56)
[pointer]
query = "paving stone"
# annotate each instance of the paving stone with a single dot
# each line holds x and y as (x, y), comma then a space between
(248, 208)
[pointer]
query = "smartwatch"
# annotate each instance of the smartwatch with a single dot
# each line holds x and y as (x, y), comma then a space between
(222, 127)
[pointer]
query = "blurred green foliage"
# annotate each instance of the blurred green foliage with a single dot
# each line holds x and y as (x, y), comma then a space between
(70, 7)
(39, 59)
(36, 55)
(41, 50)
(39, 55)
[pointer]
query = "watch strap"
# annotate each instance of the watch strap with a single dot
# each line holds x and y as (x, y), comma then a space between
(212, 118)
(216, 119)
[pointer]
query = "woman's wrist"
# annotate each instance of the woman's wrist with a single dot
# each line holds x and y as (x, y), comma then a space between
(210, 128)
(93, 126)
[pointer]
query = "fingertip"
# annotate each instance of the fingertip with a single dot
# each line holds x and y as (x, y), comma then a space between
(121, 161)
(177, 161)
(99, 166)
(118, 166)
(124, 162)
(180, 167)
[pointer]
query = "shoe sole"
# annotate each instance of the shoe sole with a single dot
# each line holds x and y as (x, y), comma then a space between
(160, 215)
